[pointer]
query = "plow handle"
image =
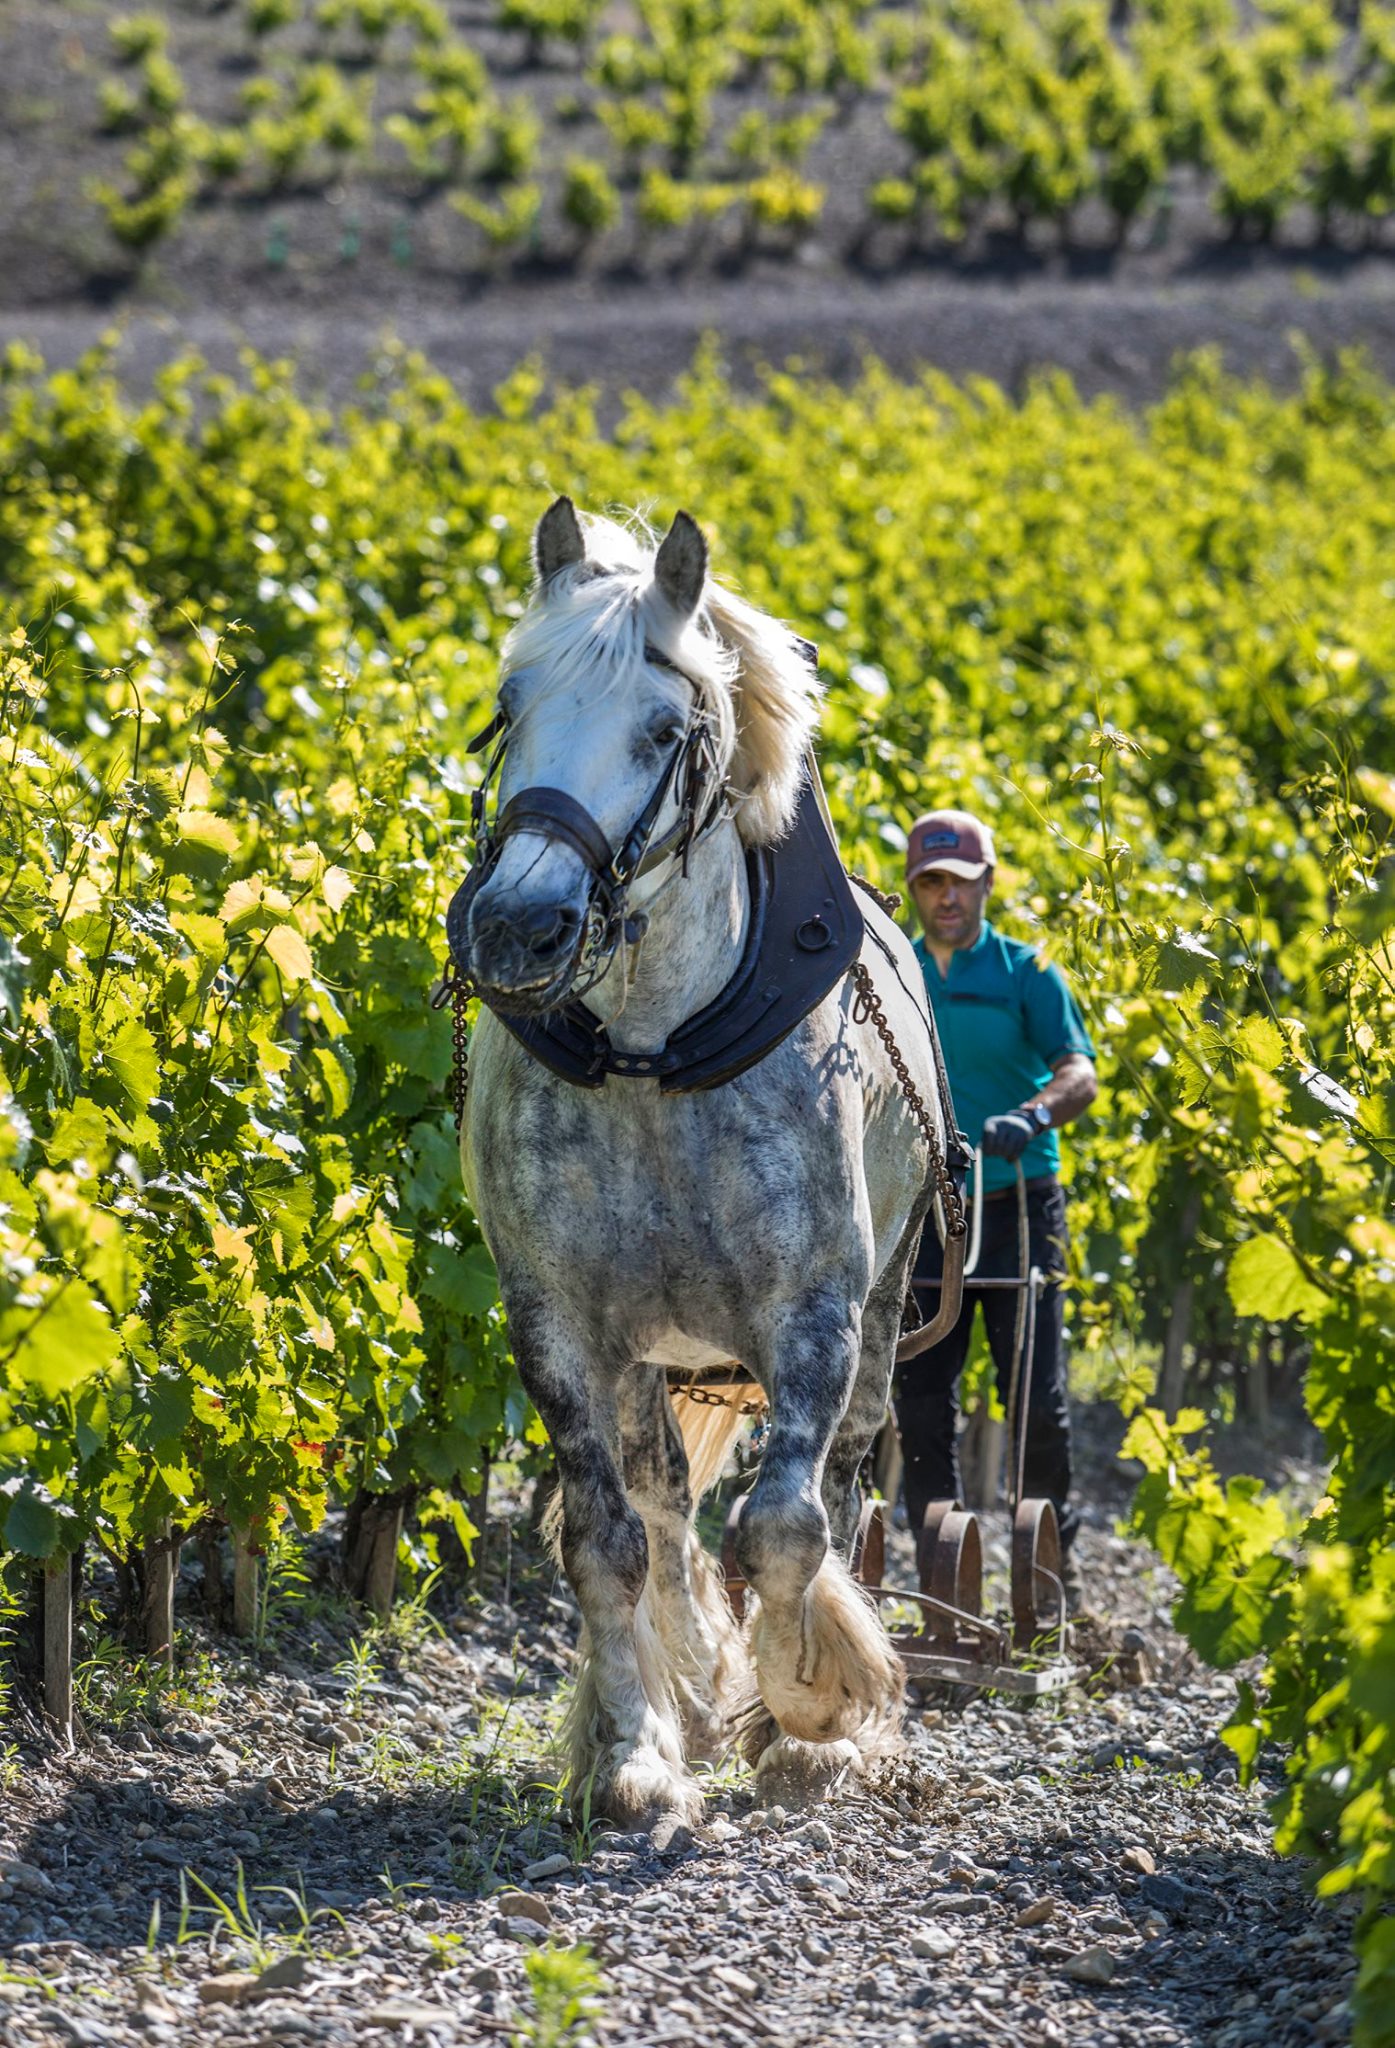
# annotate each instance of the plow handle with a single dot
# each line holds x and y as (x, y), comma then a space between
(951, 1296)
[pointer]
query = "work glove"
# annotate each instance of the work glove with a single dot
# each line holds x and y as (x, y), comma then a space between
(1007, 1137)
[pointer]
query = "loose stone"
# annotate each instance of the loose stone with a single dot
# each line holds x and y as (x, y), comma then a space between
(1091, 1966)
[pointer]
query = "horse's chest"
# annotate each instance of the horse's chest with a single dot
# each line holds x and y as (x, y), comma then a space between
(673, 1211)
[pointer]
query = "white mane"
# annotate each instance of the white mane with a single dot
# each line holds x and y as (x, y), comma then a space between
(759, 690)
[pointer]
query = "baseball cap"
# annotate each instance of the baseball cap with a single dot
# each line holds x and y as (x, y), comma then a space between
(952, 840)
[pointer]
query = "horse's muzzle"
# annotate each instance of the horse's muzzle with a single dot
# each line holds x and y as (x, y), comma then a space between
(524, 960)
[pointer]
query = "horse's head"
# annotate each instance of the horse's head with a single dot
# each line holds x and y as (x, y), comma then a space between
(598, 722)
(637, 697)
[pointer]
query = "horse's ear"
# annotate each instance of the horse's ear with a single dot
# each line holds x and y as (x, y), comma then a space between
(558, 542)
(680, 567)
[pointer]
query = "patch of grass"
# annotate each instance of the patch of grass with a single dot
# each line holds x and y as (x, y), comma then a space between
(567, 1990)
(361, 1668)
(410, 1622)
(113, 1688)
(237, 1920)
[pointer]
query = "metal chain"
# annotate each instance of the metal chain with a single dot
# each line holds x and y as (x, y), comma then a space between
(868, 1008)
(887, 898)
(456, 991)
(708, 1397)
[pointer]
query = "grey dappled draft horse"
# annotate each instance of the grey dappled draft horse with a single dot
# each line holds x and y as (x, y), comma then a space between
(770, 1220)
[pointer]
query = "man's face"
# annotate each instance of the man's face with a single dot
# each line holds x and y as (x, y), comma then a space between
(951, 909)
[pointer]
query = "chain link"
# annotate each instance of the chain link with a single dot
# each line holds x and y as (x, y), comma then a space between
(708, 1397)
(868, 1009)
(456, 990)
(887, 898)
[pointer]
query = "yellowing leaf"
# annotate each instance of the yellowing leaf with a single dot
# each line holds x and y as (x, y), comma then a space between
(252, 905)
(207, 829)
(241, 901)
(290, 952)
(306, 862)
(233, 1244)
(78, 898)
(338, 886)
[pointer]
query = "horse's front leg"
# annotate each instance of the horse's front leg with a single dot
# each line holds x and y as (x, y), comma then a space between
(824, 1666)
(626, 1749)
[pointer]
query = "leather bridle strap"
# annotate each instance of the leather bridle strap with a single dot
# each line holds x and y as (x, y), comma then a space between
(556, 815)
(636, 857)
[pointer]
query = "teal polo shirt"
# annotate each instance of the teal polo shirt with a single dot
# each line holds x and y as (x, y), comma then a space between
(1003, 1017)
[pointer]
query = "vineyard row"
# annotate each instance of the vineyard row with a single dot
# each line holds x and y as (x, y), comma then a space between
(714, 110)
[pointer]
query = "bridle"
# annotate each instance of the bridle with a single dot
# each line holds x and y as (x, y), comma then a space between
(692, 768)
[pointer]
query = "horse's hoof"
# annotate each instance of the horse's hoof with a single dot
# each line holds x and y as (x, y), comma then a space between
(795, 1773)
(645, 1791)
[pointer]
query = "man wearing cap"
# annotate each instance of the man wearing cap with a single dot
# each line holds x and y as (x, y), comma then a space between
(1020, 1066)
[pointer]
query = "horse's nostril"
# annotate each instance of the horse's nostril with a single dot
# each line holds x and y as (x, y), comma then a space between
(533, 936)
(547, 930)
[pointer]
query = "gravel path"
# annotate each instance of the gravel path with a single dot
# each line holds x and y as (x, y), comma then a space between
(1086, 1872)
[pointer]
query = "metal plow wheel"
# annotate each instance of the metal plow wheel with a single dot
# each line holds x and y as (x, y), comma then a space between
(954, 1642)
(949, 1561)
(1038, 1594)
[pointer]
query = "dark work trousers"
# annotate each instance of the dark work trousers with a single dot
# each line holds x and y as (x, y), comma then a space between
(927, 1388)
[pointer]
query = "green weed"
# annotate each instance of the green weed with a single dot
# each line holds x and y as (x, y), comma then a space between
(567, 1990)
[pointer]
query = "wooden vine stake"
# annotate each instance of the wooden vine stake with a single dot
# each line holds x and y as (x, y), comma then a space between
(372, 1528)
(245, 1586)
(56, 1619)
(380, 1580)
(157, 1595)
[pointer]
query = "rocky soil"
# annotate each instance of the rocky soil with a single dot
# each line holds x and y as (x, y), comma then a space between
(1083, 1871)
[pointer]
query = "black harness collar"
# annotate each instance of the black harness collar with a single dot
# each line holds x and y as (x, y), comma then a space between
(804, 933)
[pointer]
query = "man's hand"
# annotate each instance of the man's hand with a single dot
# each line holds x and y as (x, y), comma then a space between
(1007, 1137)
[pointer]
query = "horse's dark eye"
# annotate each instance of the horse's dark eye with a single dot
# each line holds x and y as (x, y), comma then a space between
(669, 734)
